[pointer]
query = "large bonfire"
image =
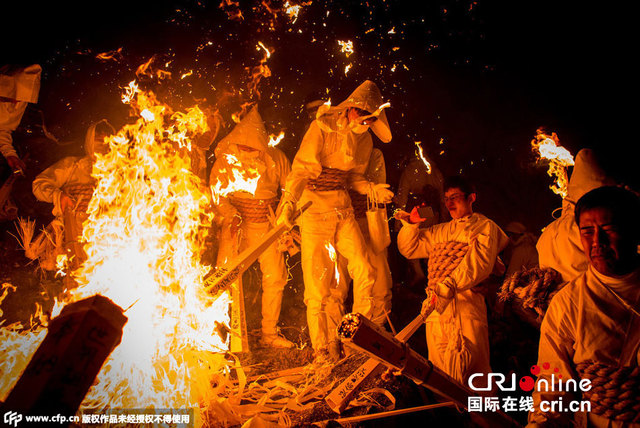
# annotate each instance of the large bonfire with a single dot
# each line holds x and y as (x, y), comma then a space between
(144, 238)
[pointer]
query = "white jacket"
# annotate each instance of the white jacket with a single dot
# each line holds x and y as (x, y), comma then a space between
(330, 143)
(586, 322)
(69, 171)
(485, 238)
(47, 187)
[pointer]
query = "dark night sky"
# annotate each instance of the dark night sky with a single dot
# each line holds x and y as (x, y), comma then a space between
(482, 75)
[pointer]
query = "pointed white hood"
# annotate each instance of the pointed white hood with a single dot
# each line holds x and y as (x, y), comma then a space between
(367, 97)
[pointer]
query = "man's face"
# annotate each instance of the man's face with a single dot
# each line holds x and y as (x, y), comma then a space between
(355, 114)
(458, 204)
(610, 249)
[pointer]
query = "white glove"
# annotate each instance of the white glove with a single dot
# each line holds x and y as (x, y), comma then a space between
(382, 193)
(287, 211)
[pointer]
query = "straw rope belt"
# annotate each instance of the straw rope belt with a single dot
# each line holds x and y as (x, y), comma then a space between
(329, 179)
(614, 390)
(444, 258)
(254, 210)
(82, 193)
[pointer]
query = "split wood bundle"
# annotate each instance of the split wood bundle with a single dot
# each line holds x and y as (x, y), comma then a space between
(26, 229)
(532, 288)
(66, 363)
(221, 278)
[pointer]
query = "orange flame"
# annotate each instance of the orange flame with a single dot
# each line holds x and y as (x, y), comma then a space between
(115, 55)
(333, 256)
(259, 71)
(146, 70)
(17, 345)
(548, 147)
(144, 237)
(292, 11)
(243, 179)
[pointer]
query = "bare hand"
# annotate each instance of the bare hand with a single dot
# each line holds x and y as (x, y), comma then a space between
(382, 192)
(414, 217)
(428, 304)
(401, 215)
(16, 164)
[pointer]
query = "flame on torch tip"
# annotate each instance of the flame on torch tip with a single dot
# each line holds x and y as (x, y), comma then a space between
(420, 154)
(242, 179)
(548, 147)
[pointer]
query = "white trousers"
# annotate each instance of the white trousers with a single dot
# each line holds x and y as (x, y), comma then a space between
(272, 265)
(324, 294)
(381, 291)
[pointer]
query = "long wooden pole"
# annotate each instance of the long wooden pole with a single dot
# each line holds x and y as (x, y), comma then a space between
(221, 278)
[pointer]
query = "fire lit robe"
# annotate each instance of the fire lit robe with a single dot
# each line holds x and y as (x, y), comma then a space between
(585, 322)
(486, 240)
(50, 183)
(273, 167)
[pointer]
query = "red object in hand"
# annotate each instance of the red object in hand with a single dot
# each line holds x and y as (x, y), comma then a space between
(414, 217)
